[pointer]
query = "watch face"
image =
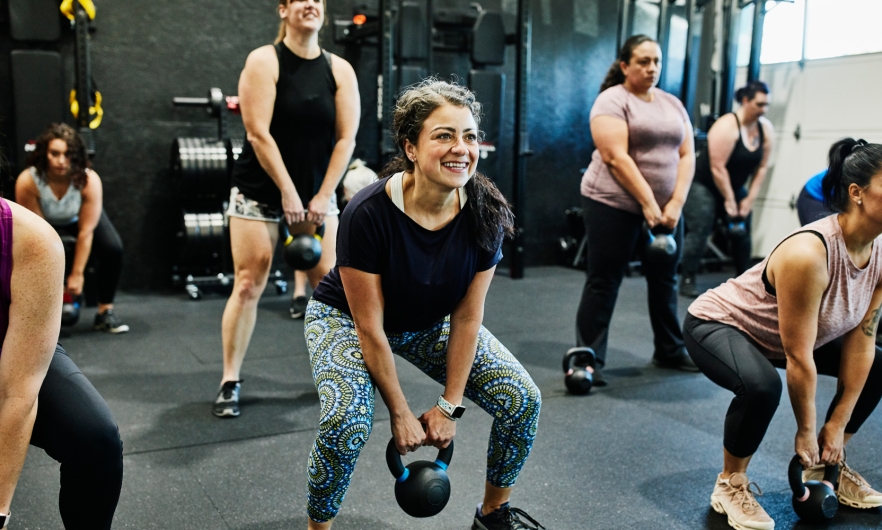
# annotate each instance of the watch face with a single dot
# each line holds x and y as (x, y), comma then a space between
(457, 412)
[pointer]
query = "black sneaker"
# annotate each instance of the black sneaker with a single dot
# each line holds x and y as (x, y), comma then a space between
(298, 307)
(680, 361)
(109, 322)
(687, 286)
(505, 518)
(599, 379)
(227, 403)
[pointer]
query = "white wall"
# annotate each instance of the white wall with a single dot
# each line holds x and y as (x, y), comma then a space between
(825, 100)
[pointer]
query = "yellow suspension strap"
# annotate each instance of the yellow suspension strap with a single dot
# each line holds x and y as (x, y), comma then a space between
(95, 111)
(67, 8)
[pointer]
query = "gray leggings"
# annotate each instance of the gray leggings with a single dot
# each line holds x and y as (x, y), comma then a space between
(702, 209)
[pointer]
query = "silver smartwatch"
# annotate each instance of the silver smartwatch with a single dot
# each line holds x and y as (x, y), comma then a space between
(454, 412)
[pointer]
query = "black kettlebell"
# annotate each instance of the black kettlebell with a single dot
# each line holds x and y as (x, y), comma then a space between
(813, 501)
(422, 489)
(660, 242)
(303, 251)
(578, 379)
(736, 228)
(70, 310)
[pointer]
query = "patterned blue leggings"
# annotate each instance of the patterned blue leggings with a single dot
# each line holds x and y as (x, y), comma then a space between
(497, 383)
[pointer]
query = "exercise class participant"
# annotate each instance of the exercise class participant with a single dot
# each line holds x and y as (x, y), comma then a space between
(810, 203)
(640, 172)
(737, 150)
(72, 423)
(300, 107)
(61, 187)
(417, 251)
(811, 307)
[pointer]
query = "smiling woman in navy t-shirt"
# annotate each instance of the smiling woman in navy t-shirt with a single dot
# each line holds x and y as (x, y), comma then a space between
(415, 255)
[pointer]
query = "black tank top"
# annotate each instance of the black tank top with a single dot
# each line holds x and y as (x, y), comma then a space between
(741, 165)
(303, 125)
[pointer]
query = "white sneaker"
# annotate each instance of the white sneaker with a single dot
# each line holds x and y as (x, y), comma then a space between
(852, 490)
(735, 498)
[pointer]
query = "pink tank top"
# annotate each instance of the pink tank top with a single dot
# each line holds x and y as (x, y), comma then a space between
(745, 303)
(5, 267)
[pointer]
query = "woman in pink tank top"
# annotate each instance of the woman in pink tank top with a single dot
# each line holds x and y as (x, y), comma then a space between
(811, 307)
(72, 424)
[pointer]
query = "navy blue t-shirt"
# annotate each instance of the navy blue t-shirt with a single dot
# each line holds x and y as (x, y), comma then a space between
(424, 273)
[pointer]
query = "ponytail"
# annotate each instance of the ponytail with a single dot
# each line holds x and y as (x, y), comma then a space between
(850, 162)
(615, 76)
(281, 36)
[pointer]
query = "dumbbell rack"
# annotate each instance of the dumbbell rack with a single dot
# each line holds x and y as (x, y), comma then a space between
(202, 167)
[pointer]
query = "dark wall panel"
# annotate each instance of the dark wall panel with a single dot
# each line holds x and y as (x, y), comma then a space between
(143, 54)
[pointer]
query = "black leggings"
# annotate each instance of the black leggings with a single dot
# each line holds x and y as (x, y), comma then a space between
(75, 427)
(613, 237)
(107, 255)
(733, 360)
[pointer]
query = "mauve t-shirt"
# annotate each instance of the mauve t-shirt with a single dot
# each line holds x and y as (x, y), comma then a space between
(656, 130)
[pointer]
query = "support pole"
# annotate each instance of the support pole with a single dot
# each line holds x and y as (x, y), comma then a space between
(687, 89)
(522, 132)
(756, 41)
(386, 84)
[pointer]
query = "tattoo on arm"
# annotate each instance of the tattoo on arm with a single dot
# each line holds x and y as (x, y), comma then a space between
(869, 325)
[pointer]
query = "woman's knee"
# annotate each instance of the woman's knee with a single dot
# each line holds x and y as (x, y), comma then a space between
(250, 282)
(765, 391)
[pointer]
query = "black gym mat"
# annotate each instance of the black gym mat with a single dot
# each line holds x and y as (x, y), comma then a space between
(642, 453)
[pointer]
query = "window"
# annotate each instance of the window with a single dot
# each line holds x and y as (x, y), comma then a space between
(842, 27)
(783, 31)
(817, 29)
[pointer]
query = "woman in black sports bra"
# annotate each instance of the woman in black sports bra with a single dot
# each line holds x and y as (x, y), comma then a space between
(737, 150)
(300, 107)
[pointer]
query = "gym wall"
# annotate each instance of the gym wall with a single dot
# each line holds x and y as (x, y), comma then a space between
(811, 106)
(143, 54)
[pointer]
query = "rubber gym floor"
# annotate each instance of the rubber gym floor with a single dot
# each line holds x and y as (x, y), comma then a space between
(641, 453)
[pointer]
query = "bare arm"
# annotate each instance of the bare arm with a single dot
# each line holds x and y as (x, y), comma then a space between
(685, 173)
(348, 105)
(858, 354)
(365, 295)
(798, 271)
(611, 139)
(257, 97)
(462, 346)
(90, 214)
(34, 320)
(756, 183)
(27, 194)
(721, 140)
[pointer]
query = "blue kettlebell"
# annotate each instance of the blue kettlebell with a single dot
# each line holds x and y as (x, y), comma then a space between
(813, 501)
(736, 228)
(660, 243)
(422, 489)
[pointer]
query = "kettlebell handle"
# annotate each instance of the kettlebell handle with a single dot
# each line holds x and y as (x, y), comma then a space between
(288, 237)
(572, 355)
(794, 476)
(396, 467)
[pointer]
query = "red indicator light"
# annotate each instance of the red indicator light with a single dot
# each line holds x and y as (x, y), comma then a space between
(359, 19)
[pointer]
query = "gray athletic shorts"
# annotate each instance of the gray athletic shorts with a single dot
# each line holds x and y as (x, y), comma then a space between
(242, 206)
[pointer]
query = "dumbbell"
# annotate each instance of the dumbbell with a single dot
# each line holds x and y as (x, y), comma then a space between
(813, 501)
(422, 489)
(660, 245)
(303, 249)
(578, 379)
(70, 310)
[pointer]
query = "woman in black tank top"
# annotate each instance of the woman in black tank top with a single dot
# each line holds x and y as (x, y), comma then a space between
(301, 108)
(737, 148)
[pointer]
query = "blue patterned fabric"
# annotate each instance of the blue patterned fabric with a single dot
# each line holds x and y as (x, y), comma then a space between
(497, 383)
